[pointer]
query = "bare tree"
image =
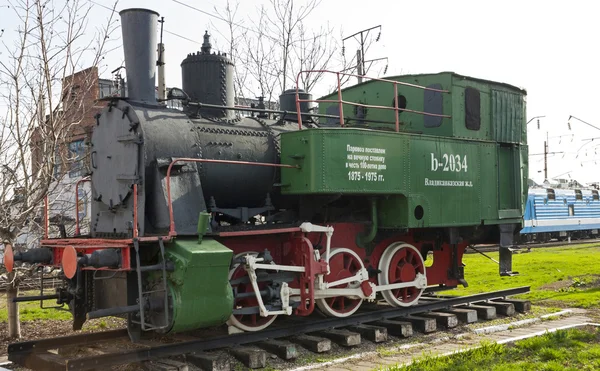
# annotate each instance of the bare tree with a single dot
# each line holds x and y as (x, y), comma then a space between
(234, 37)
(260, 57)
(44, 107)
(315, 51)
(285, 22)
(270, 53)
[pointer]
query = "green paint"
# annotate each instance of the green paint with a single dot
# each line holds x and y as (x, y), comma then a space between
(422, 176)
(508, 116)
(502, 107)
(208, 301)
(424, 181)
(203, 220)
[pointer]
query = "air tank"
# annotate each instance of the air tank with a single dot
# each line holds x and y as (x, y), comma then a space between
(208, 78)
(287, 102)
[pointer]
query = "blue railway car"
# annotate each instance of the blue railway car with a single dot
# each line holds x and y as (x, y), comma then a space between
(560, 213)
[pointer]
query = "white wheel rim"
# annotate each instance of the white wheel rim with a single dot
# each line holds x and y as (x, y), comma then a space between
(322, 303)
(233, 321)
(384, 267)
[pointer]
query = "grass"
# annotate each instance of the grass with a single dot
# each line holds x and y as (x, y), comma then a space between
(559, 276)
(568, 350)
(29, 311)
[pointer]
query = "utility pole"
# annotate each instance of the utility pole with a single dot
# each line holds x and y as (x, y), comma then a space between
(360, 53)
(546, 159)
(545, 154)
(359, 66)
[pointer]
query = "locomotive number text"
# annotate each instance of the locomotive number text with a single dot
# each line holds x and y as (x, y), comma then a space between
(449, 162)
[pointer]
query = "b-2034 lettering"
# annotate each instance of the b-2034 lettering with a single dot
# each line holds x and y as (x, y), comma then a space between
(449, 162)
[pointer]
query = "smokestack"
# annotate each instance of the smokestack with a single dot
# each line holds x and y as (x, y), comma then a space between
(139, 47)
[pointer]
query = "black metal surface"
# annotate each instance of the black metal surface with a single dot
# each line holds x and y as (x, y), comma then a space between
(287, 102)
(39, 255)
(139, 46)
(113, 311)
(20, 350)
(158, 136)
(41, 361)
(208, 77)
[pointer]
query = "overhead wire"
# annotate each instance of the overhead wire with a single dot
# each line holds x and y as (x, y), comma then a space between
(225, 20)
(208, 14)
(166, 31)
(236, 24)
(183, 37)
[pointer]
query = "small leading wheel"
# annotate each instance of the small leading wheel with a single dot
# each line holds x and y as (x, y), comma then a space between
(343, 263)
(401, 262)
(246, 322)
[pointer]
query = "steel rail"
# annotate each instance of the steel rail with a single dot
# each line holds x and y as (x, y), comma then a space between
(20, 351)
(64, 341)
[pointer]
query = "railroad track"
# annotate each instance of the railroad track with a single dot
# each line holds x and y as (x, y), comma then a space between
(431, 312)
(525, 246)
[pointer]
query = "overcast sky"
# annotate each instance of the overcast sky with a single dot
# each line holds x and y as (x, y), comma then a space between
(545, 47)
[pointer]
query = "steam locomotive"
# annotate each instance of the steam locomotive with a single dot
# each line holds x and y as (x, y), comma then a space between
(203, 217)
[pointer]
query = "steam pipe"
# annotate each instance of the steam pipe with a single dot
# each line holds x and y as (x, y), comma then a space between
(160, 62)
(139, 46)
(162, 87)
(260, 110)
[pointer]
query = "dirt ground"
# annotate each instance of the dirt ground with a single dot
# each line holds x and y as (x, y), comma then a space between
(589, 282)
(42, 329)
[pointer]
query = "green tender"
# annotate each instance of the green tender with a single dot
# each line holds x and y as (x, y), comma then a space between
(200, 289)
(421, 180)
(464, 169)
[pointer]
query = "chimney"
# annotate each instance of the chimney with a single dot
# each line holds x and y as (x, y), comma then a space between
(139, 47)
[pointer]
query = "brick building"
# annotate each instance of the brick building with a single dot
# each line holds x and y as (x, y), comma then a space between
(75, 121)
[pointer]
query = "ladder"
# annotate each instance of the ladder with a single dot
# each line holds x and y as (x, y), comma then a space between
(144, 296)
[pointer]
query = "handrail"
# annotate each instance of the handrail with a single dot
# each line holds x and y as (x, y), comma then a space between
(172, 232)
(46, 211)
(82, 180)
(341, 102)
